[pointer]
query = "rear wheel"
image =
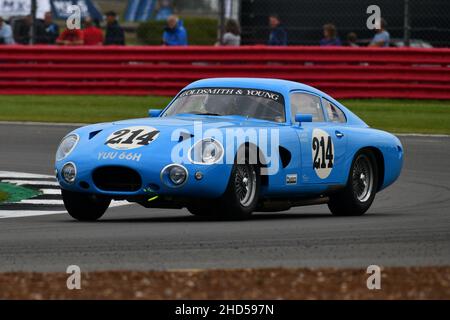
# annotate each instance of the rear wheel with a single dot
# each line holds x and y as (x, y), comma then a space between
(357, 197)
(84, 206)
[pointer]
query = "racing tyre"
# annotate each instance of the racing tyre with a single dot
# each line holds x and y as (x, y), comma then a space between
(84, 206)
(242, 193)
(357, 197)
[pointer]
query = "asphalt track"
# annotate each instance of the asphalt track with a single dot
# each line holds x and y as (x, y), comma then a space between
(408, 225)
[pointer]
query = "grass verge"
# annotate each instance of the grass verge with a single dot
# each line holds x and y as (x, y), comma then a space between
(3, 196)
(77, 109)
(13, 193)
(403, 116)
(235, 284)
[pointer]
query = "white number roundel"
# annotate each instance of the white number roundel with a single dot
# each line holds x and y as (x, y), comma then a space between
(132, 137)
(322, 153)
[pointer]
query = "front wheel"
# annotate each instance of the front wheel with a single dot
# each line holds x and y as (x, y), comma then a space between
(84, 206)
(357, 197)
(242, 194)
(239, 200)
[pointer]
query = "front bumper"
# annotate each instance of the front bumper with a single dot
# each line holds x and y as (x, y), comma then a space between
(212, 184)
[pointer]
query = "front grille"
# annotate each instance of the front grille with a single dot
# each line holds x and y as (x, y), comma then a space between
(116, 178)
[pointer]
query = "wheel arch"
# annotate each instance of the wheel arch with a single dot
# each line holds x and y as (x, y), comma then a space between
(261, 158)
(379, 159)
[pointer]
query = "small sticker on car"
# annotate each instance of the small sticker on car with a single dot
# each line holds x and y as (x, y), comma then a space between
(291, 178)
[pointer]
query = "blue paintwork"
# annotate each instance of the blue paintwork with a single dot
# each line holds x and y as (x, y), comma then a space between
(353, 136)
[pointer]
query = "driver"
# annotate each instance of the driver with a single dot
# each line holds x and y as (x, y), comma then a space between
(219, 104)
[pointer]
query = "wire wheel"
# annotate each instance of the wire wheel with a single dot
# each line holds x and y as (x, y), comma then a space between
(245, 184)
(362, 178)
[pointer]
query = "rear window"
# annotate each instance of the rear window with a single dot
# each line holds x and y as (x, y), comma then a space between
(334, 113)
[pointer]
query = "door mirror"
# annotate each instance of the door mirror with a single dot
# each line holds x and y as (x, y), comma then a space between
(303, 117)
(154, 113)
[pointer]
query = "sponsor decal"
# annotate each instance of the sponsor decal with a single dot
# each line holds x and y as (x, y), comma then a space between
(291, 178)
(235, 92)
(322, 153)
(132, 137)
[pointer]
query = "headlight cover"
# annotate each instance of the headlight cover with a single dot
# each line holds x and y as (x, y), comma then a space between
(66, 146)
(206, 151)
(174, 175)
(69, 172)
(177, 175)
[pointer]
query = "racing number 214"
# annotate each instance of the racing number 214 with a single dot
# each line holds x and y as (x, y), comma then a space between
(323, 152)
(119, 137)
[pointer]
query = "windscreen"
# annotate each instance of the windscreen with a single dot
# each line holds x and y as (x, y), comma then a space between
(251, 103)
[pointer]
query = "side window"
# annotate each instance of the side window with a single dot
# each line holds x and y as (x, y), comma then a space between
(307, 103)
(334, 113)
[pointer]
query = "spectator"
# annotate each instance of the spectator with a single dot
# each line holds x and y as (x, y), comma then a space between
(352, 39)
(6, 34)
(330, 37)
(382, 37)
(174, 34)
(48, 31)
(164, 10)
(71, 37)
(93, 36)
(232, 36)
(22, 30)
(114, 32)
(96, 22)
(278, 35)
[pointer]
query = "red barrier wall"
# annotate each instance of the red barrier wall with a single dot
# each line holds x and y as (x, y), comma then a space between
(341, 72)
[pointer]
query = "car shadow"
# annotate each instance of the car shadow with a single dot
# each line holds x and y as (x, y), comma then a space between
(255, 217)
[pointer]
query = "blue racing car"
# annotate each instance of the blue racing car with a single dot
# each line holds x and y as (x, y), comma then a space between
(229, 147)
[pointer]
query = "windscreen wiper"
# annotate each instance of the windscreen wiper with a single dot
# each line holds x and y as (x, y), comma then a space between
(207, 114)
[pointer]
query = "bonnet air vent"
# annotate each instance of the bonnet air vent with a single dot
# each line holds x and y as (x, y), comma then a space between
(94, 133)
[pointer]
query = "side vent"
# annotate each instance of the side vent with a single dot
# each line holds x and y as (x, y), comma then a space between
(285, 156)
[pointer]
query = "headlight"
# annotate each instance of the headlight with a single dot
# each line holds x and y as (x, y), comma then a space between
(174, 175)
(207, 151)
(66, 146)
(177, 175)
(69, 172)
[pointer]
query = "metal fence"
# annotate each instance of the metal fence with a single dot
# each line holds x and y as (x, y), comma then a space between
(426, 20)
